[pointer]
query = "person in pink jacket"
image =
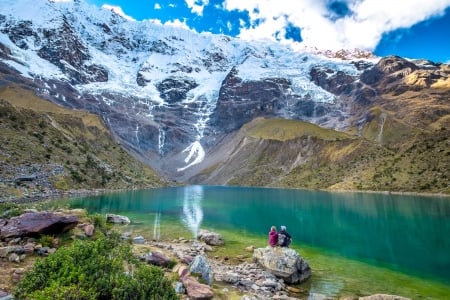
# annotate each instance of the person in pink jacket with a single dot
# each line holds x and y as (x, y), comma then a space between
(273, 236)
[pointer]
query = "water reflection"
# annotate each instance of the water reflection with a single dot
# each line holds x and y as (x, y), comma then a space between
(192, 209)
(157, 227)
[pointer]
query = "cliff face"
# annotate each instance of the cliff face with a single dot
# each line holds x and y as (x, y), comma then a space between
(174, 97)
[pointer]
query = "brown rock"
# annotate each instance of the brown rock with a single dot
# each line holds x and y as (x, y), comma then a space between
(17, 275)
(29, 248)
(156, 258)
(37, 223)
(196, 290)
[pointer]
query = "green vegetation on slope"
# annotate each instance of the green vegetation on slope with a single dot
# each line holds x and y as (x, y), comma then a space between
(46, 148)
(389, 156)
(284, 129)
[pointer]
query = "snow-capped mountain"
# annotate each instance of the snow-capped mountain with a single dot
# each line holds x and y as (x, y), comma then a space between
(167, 93)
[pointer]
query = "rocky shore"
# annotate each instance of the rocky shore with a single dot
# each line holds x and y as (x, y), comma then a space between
(257, 274)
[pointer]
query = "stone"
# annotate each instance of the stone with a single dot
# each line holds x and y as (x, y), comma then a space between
(17, 274)
(29, 247)
(156, 258)
(4, 251)
(210, 238)
(196, 290)
(250, 248)
(13, 257)
(89, 230)
(284, 263)
(139, 240)
(183, 271)
(200, 265)
(35, 223)
(117, 219)
(179, 288)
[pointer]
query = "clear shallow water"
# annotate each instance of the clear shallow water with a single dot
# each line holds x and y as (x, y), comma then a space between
(356, 243)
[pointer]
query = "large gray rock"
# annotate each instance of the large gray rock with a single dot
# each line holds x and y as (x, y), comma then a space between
(210, 238)
(284, 263)
(200, 265)
(117, 219)
(35, 223)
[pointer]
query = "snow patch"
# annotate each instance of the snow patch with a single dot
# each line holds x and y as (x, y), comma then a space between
(195, 156)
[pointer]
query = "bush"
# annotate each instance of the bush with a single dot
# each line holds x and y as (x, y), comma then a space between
(101, 269)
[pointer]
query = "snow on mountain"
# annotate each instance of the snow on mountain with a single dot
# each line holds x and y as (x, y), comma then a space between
(165, 81)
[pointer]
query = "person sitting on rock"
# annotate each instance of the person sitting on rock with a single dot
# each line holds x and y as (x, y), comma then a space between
(284, 238)
(273, 236)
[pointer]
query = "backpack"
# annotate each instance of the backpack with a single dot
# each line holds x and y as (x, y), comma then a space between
(281, 239)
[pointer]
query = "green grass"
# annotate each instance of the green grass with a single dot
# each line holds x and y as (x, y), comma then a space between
(283, 130)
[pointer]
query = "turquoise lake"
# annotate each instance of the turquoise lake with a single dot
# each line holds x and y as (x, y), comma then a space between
(356, 243)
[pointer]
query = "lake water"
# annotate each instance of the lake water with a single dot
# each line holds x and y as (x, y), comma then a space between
(355, 243)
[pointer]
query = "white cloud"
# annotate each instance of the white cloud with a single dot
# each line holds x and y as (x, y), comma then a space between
(157, 6)
(197, 8)
(118, 10)
(363, 28)
(178, 23)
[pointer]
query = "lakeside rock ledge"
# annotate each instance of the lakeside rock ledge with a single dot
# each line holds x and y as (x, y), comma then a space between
(284, 263)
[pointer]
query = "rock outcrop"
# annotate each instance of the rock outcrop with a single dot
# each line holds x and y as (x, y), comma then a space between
(284, 263)
(36, 223)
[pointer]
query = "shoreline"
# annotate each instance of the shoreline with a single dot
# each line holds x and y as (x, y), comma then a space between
(95, 192)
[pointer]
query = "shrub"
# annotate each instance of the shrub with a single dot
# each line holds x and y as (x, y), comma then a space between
(101, 269)
(46, 240)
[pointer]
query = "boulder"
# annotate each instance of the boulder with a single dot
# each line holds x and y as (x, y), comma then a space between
(156, 258)
(117, 219)
(35, 223)
(201, 266)
(210, 238)
(196, 290)
(284, 263)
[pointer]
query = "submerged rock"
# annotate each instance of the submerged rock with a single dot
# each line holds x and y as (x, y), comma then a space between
(284, 263)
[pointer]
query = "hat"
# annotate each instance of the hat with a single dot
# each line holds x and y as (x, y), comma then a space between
(283, 227)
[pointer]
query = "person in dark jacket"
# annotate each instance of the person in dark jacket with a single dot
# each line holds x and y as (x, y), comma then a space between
(284, 238)
(273, 236)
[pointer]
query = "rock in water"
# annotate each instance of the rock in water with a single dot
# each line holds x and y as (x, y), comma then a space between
(284, 263)
(117, 219)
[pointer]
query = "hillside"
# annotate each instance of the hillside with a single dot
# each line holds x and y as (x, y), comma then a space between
(296, 154)
(46, 149)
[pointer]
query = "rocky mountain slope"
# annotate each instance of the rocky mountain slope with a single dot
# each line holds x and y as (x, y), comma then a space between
(46, 150)
(179, 100)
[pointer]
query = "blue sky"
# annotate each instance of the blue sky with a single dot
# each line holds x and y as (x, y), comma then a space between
(408, 28)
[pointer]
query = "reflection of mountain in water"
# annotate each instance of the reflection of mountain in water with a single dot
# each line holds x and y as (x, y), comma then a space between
(192, 210)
